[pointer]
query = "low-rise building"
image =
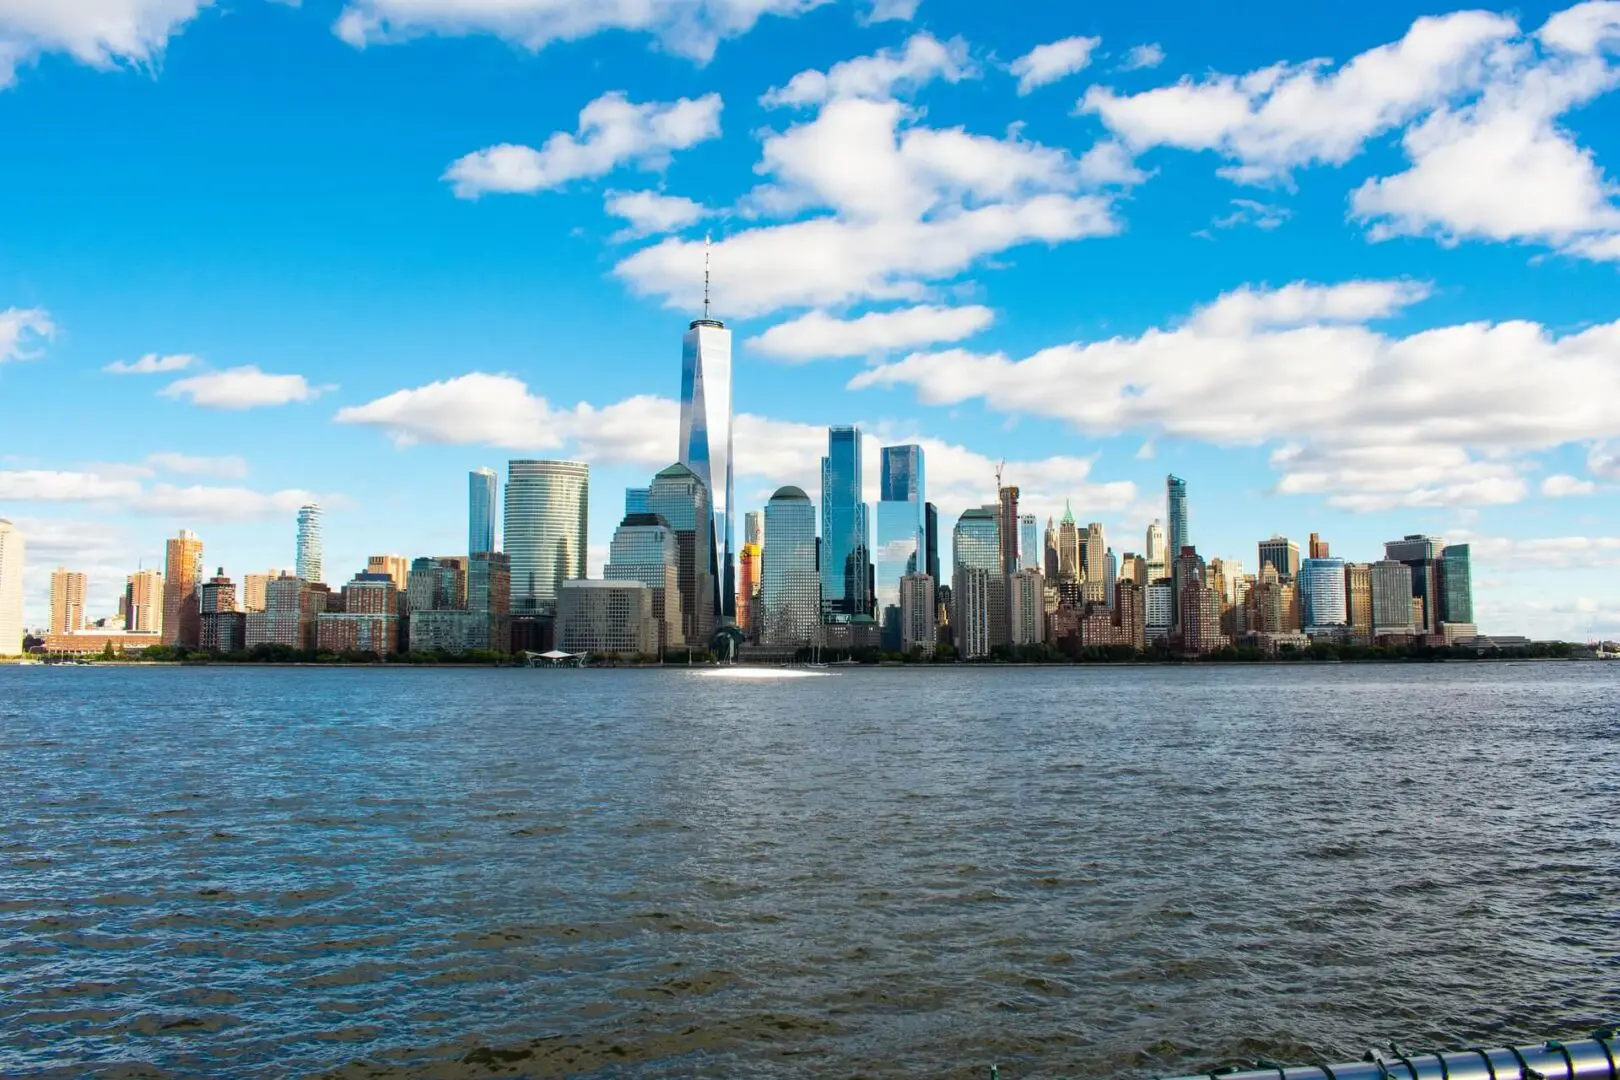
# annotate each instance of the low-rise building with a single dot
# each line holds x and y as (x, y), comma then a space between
(606, 617)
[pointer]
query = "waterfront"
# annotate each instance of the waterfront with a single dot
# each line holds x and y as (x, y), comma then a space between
(1078, 871)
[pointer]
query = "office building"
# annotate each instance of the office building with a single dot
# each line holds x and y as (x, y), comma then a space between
(1318, 547)
(1026, 607)
(1358, 602)
(1282, 555)
(606, 618)
(1068, 546)
(635, 500)
(1390, 582)
(931, 516)
(1175, 499)
(482, 486)
(369, 621)
(754, 528)
(646, 549)
(1030, 553)
(902, 534)
(919, 620)
(679, 496)
(546, 518)
(397, 568)
(1323, 596)
(705, 447)
(750, 565)
(976, 544)
(845, 538)
(1456, 585)
(12, 552)
(143, 602)
(1049, 551)
(310, 545)
(1422, 555)
(221, 628)
(182, 575)
(790, 586)
(1007, 520)
(67, 600)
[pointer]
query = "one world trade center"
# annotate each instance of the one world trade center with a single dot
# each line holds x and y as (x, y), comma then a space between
(706, 441)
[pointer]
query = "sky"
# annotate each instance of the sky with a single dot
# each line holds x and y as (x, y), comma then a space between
(1346, 269)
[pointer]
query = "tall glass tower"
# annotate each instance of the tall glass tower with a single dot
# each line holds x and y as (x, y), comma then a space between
(481, 488)
(1175, 498)
(1456, 584)
(706, 443)
(790, 589)
(845, 538)
(677, 495)
(309, 543)
(547, 508)
(902, 533)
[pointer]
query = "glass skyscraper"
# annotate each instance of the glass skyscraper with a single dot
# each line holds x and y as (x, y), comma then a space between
(845, 537)
(978, 587)
(1422, 554)
(1175, 512)
(1324, 598)
(647, 550)
(902, 533)
(1030, 554)
(706, 445)
(309, 543)
(635, 501)
(679, 497)
(790, 589)
(547, 514)
(482, 485)
(1456, 585)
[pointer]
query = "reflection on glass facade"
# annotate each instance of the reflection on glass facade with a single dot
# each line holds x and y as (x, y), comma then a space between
(481, 486)
(902, 534)
(309, 543)
(1322, 594)
(1422, 554)
(1456, 585)
(1175, 499)
(645, 549)
(846, 540)
(976, 545)
(679, 496)
(790, 591)
(547, 506)
(635, 501)
(706, 446)
(1030, 556)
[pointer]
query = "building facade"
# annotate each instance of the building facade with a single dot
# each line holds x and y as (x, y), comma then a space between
(1421, 554)
(182, 575)
(311, 545)
(607, 618)
(750, 564)
(67, 600)
(1324, 597)
(1026, 607)
(919, 624)
(679, 496)
(221, 628)
(482, 486)
(1282, 555)
(1177, 534)
(706, 446)
(902, 534)
(1068, 546)
(790, 585)
(13, 550)
(1456, 585)
(1390, 582)
(845, 537)
(976, 544)
(547, 516)
(1093, 570)
(645, 549)
(970, 609)
(369, 621)
(143, 602)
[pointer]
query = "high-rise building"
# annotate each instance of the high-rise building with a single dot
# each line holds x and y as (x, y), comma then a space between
(1026, 607)
(254, 588)
(606, 617)
(1175, 498)
(291, 607)
(635, 500)
(1155, 557)
(705, 446)
(1160, 601)
(369, 621)
(679, 496)
(646, 549)
(1282, 554)
(1391, 585)
(547, 514)
(1322, 594)
(67, 600)
(902, 534)
(396, 567)
(919, 624)
(790, 589)
(1030, 553)
(461, 604)
(1049, 551)
(12, 551)
(221, 628)
(143, 602)
(1007, 526)
(308, 562)
(845, 538)
(482, 486)
(1318, 548)
(750, 564)
(1200, 620)
(1422, 554)
(182, 574)
(1456, 585)
(976, 544)
(1358, 602)
(754, 528)
(971, 607)
(931, 516)
(1133, 568)
(1068, 545)
(1093, 557)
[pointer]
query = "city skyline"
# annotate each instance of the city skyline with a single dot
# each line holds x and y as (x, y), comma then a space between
(1262, 307)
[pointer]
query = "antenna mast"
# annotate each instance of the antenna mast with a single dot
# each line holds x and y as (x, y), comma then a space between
(708, 239)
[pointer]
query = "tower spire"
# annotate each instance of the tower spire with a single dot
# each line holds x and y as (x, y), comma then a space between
(708, 242)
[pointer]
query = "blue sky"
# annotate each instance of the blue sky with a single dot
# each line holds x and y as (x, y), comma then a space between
(1346, 269)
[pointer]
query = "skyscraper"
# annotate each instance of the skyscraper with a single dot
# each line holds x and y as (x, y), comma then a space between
(1175, 505)
(1030, 554)
(143, 602)
(679, 497)
(1391, 583)
(902, 534)
(547, 514)
(1068, 546)
(1049, 560)
(750, 562)
(1319, 547)
(754, 527)
(1456, 585)
(1358, 602)
(790, 589)
(221, 628)
(1007, 528)
(1158, 563)
(397, 568)
(919, 627)
(705, 446)
(1422, 555)
(1282, 554)
(1323, 595)
(308, 562)
(646, 549)
(1093, 559)
(182, 574)
(845, 538)
(12, 551)
(1026, 607)
(976, 546)
(931, 516)
(482, 485)
(67, 600)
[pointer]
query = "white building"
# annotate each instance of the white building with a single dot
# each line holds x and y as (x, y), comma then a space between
(12, 551)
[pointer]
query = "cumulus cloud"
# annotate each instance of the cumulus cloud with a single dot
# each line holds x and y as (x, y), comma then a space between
(1604, 461)
(1441, 417)
(242, 388)
(1562, 485)
(892, 11)
(613, 131)
(112, 489)
(21, 330)
(1046, 64)
(99, 33)
(651, 213)
(880, 76)
(818, 334)
(151, 364)
(1141, 57)
(691, 28)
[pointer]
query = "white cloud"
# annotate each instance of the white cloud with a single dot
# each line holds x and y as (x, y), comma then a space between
(199, 503)
(1141, 57)
(1506, 555)
(151, 364)
(42, 485)
(1278, 118)
(1442, 417)
(230, 467)
(1261, 215)
(892, 11)
(879, 76)
(818, 334)
(100, 33)
(1562, 485)
(21, 329)
(613, 131)
(242, 388)
(113, 488)
(1046, 64)
(924, 205)
(1604, 461)
(651, 213)
(689, 28)
(496, 410)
